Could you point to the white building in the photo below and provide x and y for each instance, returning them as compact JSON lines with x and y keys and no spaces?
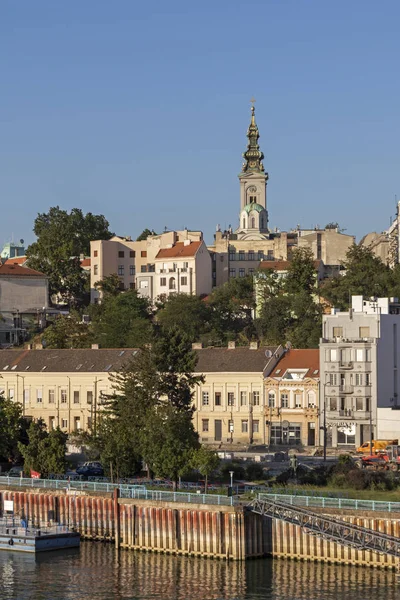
{"x":360,"y":381}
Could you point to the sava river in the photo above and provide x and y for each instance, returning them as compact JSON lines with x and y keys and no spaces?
{"x":97,"y":571}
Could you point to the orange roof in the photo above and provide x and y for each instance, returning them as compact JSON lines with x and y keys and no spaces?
{"x":85,"y":262}
{"x":17,"y":260}
{"x":281,"y":265}
{"x":13,"y":270}
{"x":298,"y":359}
{"x":179,"y":250}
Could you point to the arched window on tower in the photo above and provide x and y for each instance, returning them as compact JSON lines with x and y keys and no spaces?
{"x":253,"y":199}
{"x":244,"y":223}
{"x":172,"y":283}
{"x":253,"y":223}
{"x":262,"y":222}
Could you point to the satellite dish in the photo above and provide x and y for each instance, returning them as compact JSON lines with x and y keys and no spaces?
{"x":21,"y":241}
{"x":268,"y":353}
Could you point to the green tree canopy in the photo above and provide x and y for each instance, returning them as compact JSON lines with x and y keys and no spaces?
{"x":45,"y":452}
{"x":145,"y":234}
{"x":190,"y":314}
{"x":110,"y":285}
{"x":61,"y":238}
{"x":11,"y":428}
{"x":205,"y":461}
{"x":67,"y":331}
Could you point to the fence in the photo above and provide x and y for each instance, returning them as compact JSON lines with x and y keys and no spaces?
{"x":177,"y":497}
{"x":339,"y":503}
{"x":56,"y":484}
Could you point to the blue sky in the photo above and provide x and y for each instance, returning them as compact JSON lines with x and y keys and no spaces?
{"x":139,"y":110}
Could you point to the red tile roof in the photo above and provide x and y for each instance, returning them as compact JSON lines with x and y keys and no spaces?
{"x":13,"y":270}
{"x":17,"y":260}
{"x":298,"y":359}
{"x":179,"y":250}
{"x":85,"y":262}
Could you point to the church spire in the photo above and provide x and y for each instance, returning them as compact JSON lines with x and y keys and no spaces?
{"x":253,"y":155}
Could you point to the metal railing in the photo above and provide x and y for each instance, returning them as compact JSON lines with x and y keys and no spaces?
{"x":13,"y":526}
{"x":178,"y":497}
{"x":339,"y":503}
{"x":56,"y":484}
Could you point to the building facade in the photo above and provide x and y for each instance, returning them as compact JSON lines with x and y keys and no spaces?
{"x":359,"y":354}
{"x":292,"y":400}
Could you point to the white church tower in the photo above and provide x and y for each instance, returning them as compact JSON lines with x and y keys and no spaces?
{"x":253,"y":220}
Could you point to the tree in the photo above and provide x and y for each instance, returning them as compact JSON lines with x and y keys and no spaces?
{"x":67,"y":332}
{"x":61,"y":238}
{"x":11,"y":428}
{"x":145,"y":234}
{"x":190,"y":314}
{"x":301,"y":275}
{"x":205,"y":461}
{"x":110,"y":285}
{"x":122,"y":321}
{"x":45,"y":451}
{"x":231,"y":305}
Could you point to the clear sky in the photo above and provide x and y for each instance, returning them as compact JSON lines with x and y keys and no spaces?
{"x":139,"y":110}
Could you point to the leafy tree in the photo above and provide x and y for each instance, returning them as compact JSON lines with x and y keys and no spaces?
{"x":145,"y":234}
{"x":205,"y":461}
{"x":122,"y":321}
{"x":110,"y":285}
{"x":301,"y":275}
{"x":67,"y":332}
{"x":10,"y":428}
{"x":61,"y":238}
{"x":274,"y":321}
{"x":45,"y":451}
{"x":190,"y":314}
{"x":231,"y":305}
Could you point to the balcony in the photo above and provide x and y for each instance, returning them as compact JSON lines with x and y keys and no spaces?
{"x":346,"y":389}
{"x":346,"y":365}
{"x":346,"y":412}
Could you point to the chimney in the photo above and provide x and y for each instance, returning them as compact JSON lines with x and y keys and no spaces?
{"x":186,"y":242}
{"x":38,"y":346}
{"x":197,"y":346}
{"x":253,"y":345}
{"x":95,"y":346}
{"x":231,"y":345}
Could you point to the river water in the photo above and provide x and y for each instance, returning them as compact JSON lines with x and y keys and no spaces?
{"x":97,"y":571}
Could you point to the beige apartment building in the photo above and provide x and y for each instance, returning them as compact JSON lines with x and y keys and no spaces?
{"x":292,"y":400}
{"x":129,"y":259}
{"x":230,"y":404}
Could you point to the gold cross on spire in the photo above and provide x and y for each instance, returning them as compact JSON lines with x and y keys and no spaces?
{"x":252,"y":101}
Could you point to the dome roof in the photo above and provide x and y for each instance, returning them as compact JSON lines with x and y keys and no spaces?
{"x":253,"y":206}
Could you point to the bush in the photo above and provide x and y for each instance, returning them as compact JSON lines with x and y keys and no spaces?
{"x":238,"y":471}
{"x":254,"y":471}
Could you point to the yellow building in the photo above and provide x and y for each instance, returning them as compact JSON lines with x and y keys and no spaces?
{"x":292,"y":400}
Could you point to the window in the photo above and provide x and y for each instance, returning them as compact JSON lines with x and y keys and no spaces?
{"x":284,"y":400}
{"x":250,"y":271}
{"x":242,"y":255}
{"x":89,"y":397}
{"x":95,"y":270}
{"x":205,"y":425}
{"x":364,"y":332}
{"x":332,"y":404}
{"x":253,"y":223}
{"x":256,"y":426}
{"x":172,"y":284}
{"x":251,"y":254}
{"x":63,"y":396}
{"x":131,"y":269}
{"x":368,"y":354}
{"x":359,"y":355}
{"x":26,"y":395}
{"x":64,"y":423}
{"x":253,"y":199}
{"x":232,"y":254}
{"x":338,"y":332}
{"x":143,"y":254}
{"x":230,"y":426}
{"x":367,"y":404}
{"x":256,"y":398}
{"x":270,"y":255}
{"x":298,"y":400}
{"x":120,"y":269}
{"x":359,"y":379}
{"x":359,"y":404}
{"x":217,"y":398}
{"x":95,"y":253}
{"x":121,"y":254}
{"x":334,"y":355}
{"x":231,"y":399}
{"x":76,"y":396}
{"x":185,"y":265}
{"x":243,"y":398}
{"x":205,"y":399}
{"x":271,"y":399}
{"x":163,"y":281}
{"x":232,"y":272}
{"x":131,"y":254}
{"x":39,"y":395}
{"x":311,"y":400}
{"x":242,"y":272}
{"x":260,"y":255}
{"x":77,"y":423}
{"x":332,"y":379}
{"x":51,"y":396}
{"x":143,"y":269}
{"x":367,"y":379}
{"x":183,"y":280}
{"x":245,"y":426}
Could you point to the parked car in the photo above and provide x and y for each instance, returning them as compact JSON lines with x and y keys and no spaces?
{"x":90,"y":470}
{"x":15,"y":471}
